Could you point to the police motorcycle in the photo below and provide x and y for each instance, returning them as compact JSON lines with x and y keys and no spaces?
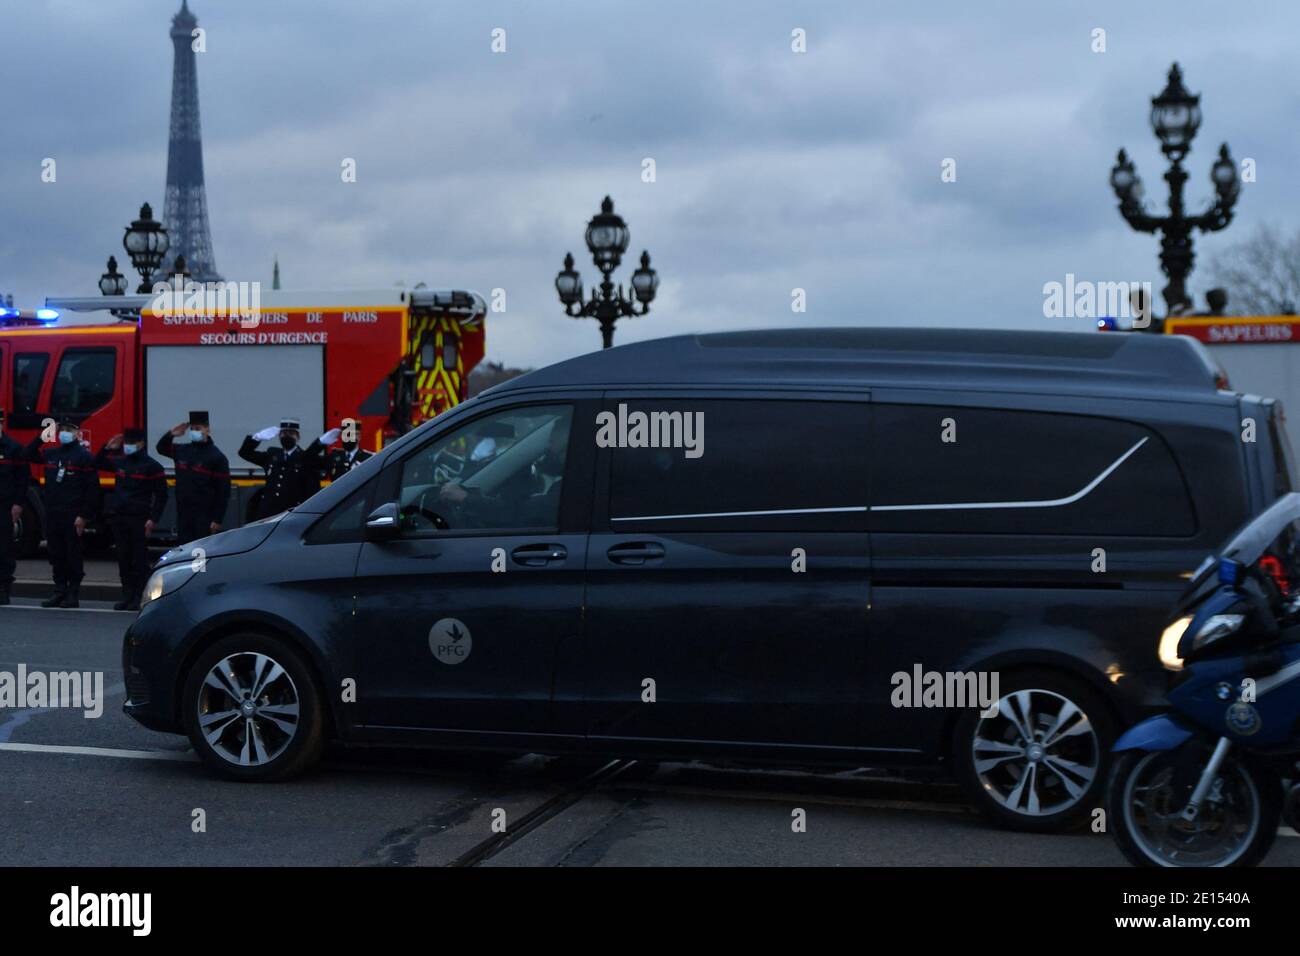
{"x":1206,"y":783}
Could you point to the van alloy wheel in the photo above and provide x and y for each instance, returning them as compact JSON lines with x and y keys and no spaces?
{"x":1038,"y":755}
{"x":248,"y":709}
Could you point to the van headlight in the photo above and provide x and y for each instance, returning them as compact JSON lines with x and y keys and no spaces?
{"x":166,"y":580}
{"x":1169,"y":643}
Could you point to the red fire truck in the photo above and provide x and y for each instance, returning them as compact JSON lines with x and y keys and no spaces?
{"x":387,"y":359}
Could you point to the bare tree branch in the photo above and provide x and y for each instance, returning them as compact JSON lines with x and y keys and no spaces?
{"x":1261,"y":274}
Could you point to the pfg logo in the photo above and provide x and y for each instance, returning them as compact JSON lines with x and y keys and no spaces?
{"x":450,"y":641}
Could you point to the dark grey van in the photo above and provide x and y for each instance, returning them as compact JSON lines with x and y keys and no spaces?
{"x":819,"y":546}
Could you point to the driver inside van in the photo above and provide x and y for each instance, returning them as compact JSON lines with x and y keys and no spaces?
{"x":528,"y":498}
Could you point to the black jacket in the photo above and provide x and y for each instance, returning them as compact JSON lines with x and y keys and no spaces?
{"x":291,"y":477}
{"x":202,"y":478}
{"x":140,"y":485}
{"x":15,"y":470}
{"x":70,"y":483}
{"x":336,"y":460}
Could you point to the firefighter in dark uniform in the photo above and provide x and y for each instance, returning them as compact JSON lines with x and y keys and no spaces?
{"x":202,"y":478}
{"x":14,"y":472}
{"x":339,"y":461}
{"x":292,"y":474}
{"x":69,"y":490}
{"x":137,"y":502}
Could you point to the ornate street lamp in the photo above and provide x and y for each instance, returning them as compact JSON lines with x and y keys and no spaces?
{"x":146,"y":242}
{"x":1175,"y":118}
{"x":112,"y":282}
{"x":607,"y":238}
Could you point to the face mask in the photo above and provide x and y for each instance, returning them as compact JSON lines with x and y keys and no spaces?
{"x":130,"y":449}
{"x":195,"y":435}
{"x":66,"y":438}
{"x":287,"y":442}
{"x":349,"y":446}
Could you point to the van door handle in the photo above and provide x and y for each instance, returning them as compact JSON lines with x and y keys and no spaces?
{"x":538,"y":555}
{"x":636,"y":552}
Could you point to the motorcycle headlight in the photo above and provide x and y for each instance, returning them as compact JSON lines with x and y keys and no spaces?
{"x":166,"y":580}
{"x":1169,"y":643}
{"x":1216,"y":627}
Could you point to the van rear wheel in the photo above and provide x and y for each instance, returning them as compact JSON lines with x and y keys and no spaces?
{"x":252,"y":709}
{"x":1039,"y":762}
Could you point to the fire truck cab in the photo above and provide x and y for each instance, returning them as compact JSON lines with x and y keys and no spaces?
{"x":384,"y":360}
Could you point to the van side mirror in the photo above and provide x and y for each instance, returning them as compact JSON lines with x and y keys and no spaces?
{"x":382,"y":524}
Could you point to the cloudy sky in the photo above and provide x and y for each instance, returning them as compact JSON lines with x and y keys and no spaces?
{"x":774,"y":170}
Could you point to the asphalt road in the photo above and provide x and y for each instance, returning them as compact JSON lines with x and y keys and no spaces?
{"x":130,"y":797}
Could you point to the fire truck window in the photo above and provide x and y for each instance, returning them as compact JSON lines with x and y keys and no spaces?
{"x":84,"y":381}
{"x":29,"y":372}
{"x":449,"y":346}
{"x":497,"y":473}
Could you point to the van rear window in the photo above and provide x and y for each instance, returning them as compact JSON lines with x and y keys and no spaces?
{"x":995,"y":471}
{"x":738,"y":465}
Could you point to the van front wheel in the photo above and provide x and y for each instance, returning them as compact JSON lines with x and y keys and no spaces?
{"x":252,"y":709}
{"x":1038,"y":761}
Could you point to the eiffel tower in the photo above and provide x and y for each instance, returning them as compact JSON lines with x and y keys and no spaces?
{"x":185,"y":212}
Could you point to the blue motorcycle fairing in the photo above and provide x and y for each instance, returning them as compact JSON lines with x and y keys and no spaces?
{"x":1161,"y":732}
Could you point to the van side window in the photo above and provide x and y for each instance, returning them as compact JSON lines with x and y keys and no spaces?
{"x":29,"y":373}
{"x":84,"y":381}
{"x":999,"y":471}
{"x":737,"y":465}
{"x":504,"y":471}
{"x":345,"y":524}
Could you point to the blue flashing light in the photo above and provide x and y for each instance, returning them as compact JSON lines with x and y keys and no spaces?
{"x":1229,"y":572}
{"x":1106,"y":324}
{"x":47,"y":315}
{"x":6,"y":313}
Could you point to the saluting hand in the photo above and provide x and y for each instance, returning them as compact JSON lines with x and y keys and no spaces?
{"x":179,"y":430}
{"x":266,"y":434}
{"x":115,"y":442}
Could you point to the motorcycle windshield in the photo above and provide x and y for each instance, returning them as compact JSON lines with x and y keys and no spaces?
{"x":1249,"y":544}
{"x":1274,"y":530}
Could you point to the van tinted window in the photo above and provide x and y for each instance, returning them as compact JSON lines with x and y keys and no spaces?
{"x":755,"y":465}
{"x":993,"y":471}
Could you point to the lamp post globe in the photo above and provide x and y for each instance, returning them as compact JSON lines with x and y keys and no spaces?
{"x":607,"y":237}
{"x":146,"y":242}
{"x":112,"y":282}
{"x":1175,"y":116}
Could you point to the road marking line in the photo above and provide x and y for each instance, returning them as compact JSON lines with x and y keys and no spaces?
{"x":187,"y":756}
{"x":90,"y":610}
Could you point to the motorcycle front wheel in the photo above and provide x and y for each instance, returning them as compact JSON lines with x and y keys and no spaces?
{"x":1236,"y":824}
